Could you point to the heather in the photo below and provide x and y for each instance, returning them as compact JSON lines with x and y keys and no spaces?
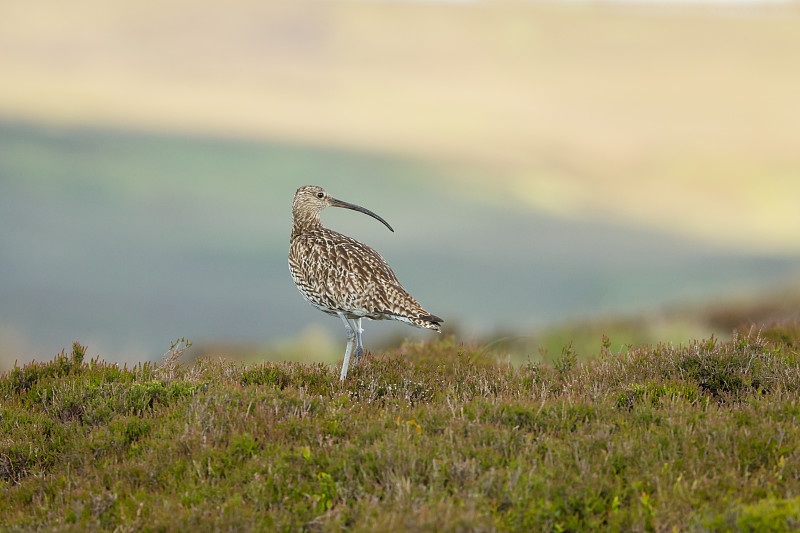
{"x":700,"y":436}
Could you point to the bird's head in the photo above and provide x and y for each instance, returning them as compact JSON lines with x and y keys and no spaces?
{"x":309,"y":200}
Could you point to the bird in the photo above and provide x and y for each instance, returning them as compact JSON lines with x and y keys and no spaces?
{"x":344,"y":277}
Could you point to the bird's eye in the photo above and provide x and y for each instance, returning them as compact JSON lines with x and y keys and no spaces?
{"x":320,"y":195}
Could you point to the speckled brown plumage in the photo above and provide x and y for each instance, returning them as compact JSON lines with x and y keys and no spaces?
{"x":336,"y":273}
{"x":344,"y":277}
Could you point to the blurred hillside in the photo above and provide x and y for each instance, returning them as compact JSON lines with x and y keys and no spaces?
{"x":540,"y":161}
{"x":125,"y":241}
{"x":681,"y":118}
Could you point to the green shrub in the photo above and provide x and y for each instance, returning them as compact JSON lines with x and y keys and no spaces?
{"x":436,"y":437}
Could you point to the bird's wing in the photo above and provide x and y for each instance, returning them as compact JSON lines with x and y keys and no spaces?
{"x":340,"y":273}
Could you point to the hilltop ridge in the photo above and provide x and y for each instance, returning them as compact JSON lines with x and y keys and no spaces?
{"x":700,"y":436}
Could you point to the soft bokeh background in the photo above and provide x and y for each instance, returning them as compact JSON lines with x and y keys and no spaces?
{"x":541,"y":163}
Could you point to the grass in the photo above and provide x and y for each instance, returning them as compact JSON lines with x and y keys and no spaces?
{"x":430,"y":437}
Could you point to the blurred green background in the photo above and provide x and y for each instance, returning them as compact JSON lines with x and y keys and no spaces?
{"x":548,"y":168}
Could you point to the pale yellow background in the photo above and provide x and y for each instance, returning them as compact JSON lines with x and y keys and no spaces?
{"x":683,"y":119}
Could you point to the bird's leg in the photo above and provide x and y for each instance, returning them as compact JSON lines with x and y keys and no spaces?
{"x":351,"y":335}
{"x":359,"y":347}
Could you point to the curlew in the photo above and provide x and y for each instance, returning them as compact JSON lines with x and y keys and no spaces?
{"x":344,"y":277}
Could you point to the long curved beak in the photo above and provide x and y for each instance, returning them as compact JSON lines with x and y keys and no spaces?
{"x":354,"y":207}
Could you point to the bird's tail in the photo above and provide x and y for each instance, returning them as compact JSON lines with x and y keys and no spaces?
{"x":424,"y":321}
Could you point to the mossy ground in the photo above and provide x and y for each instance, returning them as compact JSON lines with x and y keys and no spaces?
{"x":431,"y":437}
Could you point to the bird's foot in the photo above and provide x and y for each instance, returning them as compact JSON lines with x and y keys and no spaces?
{"x":359,"y":351}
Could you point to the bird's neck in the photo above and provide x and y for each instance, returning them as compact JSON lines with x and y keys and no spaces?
{"x":303,"y":222}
